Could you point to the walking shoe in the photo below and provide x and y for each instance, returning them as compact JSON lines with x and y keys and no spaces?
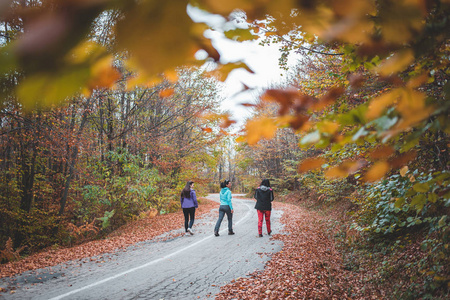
{"x":260,"y":235}
{"x":186,"y":234}
{"x":230,"y":232}
{"x":190,"y":231}
{"x":216,"y":233}
{"x":270,"y":232}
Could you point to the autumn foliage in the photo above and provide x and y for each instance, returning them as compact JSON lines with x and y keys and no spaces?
{"x":99,"y":123}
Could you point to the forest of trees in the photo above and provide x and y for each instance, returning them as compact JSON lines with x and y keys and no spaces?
{"x":105,"y":114}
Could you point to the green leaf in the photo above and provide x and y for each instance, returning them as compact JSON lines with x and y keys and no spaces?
{"x":432,"y":197}
{"x":419,"y":201}
{"x":399,"y":203}
{"x":442,"y":222}
{"x":48,"y":89}
{"x":241,"y":35}
{"x":421,"y":187}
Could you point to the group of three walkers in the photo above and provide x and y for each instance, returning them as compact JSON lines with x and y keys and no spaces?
{"x":263,"y":195}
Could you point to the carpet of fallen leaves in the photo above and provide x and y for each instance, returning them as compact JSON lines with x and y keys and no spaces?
{"x":133,"y":232}
{"x":308,"y":267}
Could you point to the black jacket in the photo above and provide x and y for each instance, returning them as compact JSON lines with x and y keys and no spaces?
{"x":264,"y":198}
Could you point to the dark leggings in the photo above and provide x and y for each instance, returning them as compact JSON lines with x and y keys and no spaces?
{"x":224,"y":209}
{"x":188,"y":212}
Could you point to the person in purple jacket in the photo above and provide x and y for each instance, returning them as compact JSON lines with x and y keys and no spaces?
{"x":189,"y":204}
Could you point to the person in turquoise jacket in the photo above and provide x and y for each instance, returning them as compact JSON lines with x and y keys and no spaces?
{"x":226,"y":207}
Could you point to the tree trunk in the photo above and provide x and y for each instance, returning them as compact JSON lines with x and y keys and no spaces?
{"x":73,"y":159}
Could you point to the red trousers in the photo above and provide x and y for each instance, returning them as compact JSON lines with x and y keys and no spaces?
{"x":261,"y":214}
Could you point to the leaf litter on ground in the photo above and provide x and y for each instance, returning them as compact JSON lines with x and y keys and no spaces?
{"x":137,"y":231}
{"x":307,"y":267}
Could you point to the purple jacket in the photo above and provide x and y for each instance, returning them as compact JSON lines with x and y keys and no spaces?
{"x":189,"y":202}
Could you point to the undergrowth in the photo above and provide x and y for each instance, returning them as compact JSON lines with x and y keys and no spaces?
{"x":410,"y":263}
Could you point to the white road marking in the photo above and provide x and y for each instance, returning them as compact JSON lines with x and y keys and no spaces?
{"x":150,"y":262}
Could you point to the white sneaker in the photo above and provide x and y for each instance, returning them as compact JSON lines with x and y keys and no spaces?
{"x":190,"y":231}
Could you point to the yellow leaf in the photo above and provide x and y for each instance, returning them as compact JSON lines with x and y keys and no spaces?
{"x":377,"y":171}
{"x":260,"y":128}
{"x":142,"y":80}
{"x":403,"y":20}
{"x":396,"y":63}
{"x":87,"y":50}
{"x":310,"y":164}
{"x":240,"y":139}
{"x":440,"y":278}
{"x":413,"y":109}
{"x":351,"y":30}
{"x":328,"y":127}
{"x":411,"y":102}
{"x":403,"y":171}
{"x":222,"y":72}
{"x":157,"y":34}
{"x":226,"y":7}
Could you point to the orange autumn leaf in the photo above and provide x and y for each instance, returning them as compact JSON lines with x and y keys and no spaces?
{"x":344,"y":169}
{"x":310,"y":164}
{"x":226,"y":122}
{"x":248,"y":104}
{"x":103,"y":74}
{"x":207,"y":129}
{"x":329,"y":98}
{"x":356,"y":80}
{"x":260,"y":128}
{"x":377,"y":171}
{"x":382,"y":152}
{"x":402,"y":159}
{"x":284,"y":97}
{"x":380,"y":103}
{"x":171,"y":75}
{"x":166,"y":93}
{"x":417,"y":81}
{"x":299,"y":122}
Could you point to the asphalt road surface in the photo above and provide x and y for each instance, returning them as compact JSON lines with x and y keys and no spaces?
{"x":186,"y":267}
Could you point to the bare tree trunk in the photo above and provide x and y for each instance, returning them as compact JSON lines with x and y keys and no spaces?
{"x":73,"y":159}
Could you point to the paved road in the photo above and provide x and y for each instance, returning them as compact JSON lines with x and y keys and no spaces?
{"x":187,"y":267}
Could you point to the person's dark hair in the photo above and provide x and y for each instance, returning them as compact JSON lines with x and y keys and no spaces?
{"x":265,"y":182}
{"x":224,"y":184}
{"x":186,"y":192}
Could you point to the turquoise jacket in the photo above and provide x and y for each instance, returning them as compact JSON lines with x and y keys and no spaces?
{"x":225,"y":197}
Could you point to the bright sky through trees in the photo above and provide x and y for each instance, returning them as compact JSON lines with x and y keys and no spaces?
{"x":263,"y":60}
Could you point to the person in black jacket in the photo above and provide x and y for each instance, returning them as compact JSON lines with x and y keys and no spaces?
{"x":264,"y":198}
